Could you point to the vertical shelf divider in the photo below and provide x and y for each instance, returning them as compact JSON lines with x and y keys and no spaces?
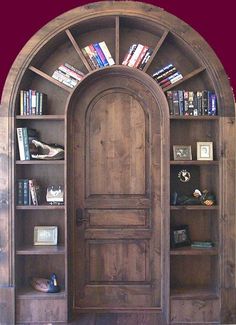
{"x":117,"y":40}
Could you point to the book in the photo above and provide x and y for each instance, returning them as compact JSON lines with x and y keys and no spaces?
{"x":101,"y":54}
{"x":91,"y":56}
{"x":106,"y":52}
{"x":64,"y":78}
{"x":135,"y":55}
{"x":141,"y":56}
{"x":25,"y":192}
{"x":70,"y":72}
{"x":161,"y":71}
{"x":145,"y":59}
{"x":129,"y":54}
{"x":169,"y":95}
{"x":26,"y":143}
{"x":21,"y":149}
{"x":96,"y":56}
{"x":19,"y":200}
{"x":202,"y":244}
{"x":34,"y":191}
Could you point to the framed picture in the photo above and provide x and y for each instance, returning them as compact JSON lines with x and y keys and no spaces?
{"x":182,"y":152}
{"x":45,"y":235}
{"x":179,"y":236}
{"x":204,"y":151}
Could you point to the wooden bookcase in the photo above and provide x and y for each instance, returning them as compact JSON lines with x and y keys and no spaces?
{"x":191,"y":285}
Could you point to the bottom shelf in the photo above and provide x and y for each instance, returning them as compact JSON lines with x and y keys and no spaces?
{"x":194,"y":293}
{"x":30,"y":293}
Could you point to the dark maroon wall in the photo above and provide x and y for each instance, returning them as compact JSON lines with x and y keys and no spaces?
{"x":214,"y":20}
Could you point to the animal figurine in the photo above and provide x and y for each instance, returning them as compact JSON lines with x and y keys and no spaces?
{"x":47,"y":151}
{"x":197,"y":198}
{"x":46,"y":285}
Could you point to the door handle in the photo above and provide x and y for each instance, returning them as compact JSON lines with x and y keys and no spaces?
{"x":80,"y":216}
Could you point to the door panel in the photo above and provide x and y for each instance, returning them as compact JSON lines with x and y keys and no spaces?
{"x":116,"y":180}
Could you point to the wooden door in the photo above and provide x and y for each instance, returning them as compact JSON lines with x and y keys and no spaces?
{"x":116,"y":159}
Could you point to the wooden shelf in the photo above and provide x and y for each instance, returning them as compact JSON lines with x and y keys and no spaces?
{"x":41,"y":250}
{"x":194,"y":207}
{"x":29,"y":293}
{"x":40,"y":207}
{"x":40,"y":162}
{"x":194,"y":251}
{"x":194,"y":293}
{"x":41,"y":117}
{"x":194,"y":162}
{"x":195,"y":118}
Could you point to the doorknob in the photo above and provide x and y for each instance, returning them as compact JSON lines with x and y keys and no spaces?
{"x":80,"y":216}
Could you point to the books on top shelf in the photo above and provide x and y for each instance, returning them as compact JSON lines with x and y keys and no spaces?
{"x":167,"y":75}
{"x":28,"y":192}
{"x":137,"y":56}
{"x":68,"y":75}
{"x":192,"y":103}
{"x":24,"y":137}
{"x":32,"y":102}
{"x":98,"y":55}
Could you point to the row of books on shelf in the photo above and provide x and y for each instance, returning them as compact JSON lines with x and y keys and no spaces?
{"x":192,"y":103}
{"x":98,"y":55}
{"x":28,"y":192}
{"x":137,"y":56}
{"x":25,"y":136}
{"x":32,"y":102}
{"x":68,"y":75}
{"x":166,"y":76}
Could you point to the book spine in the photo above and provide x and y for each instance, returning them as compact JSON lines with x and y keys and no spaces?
{"x":25,"y":192}
{"x":212,"y":104}
{"x":176,"y":102}
{"x":22,"y":102}
{"x":20,"y":143}
{"x":129,"y":54}
{"x":190,"y":102}
{"x":33,"y":102}
{"x":20,"y":192}
{"x":186,"y":103}
{"x":141,"y":56}
{"x":161,"y":71}
{"x":32,"y":188}
{"x":26,"y":143}
{"x":181,"y":102}
{"x":199,"y":102}
{"x":145,"y":59}
{"x":165,"y":75}
{"x":106,"y":52}
{"x":69,"y":66}
{"x":97,"y":58}
{"x":168,"y":78}
{"x":169,"y":96}
{"x":101,"y":54}
{"x":71,"y":73}
{"x":172,"y":81}
{"x":91,"y":56}
{"x":135,"y":56}
{"x":59,"y":76}
{"x":28,"y":102}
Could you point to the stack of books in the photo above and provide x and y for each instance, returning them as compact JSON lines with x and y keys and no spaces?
{"x":202,"y":244}
{"x":68,"y":75}
{"x":32,"y":102}
{"x":28,"y":192}
{"x":137,"y":56}
{"x":98,"y":55}
{"x":192,"y":103}
{"x":25,"y":136}
{"x":167,"y":75}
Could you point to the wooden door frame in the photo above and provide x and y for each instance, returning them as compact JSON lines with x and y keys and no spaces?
{"x":162,"y":103}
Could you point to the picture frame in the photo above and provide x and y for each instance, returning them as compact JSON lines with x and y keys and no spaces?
{"x":45,"y":235}
{"x":182,"y":152}
{"x":204,"y":150}
{"x":179,"y":236}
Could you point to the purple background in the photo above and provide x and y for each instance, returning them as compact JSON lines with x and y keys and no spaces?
{"x":215,"y":21}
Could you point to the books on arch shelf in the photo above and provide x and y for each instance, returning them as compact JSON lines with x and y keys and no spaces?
{"x":24,"y":138}
{"x":32,"y":102}
{"x":137,"y":56}
{"x":166,"y":76}
{"x":68,"y":75}
{"x":192,"y":103}
{"x":98,"y":55}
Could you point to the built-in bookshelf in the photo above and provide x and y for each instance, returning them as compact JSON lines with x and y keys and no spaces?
{"x":113,"y":88}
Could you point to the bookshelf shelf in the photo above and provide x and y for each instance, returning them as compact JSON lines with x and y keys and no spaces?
{"x":41,"y":250}
{"x":119,"y":172}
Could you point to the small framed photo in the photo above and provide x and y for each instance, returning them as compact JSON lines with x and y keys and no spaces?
{"x":182,"y":152}
{"x":179,"y":236}
{"x":45,"y":235}
{"x":204,"y":151}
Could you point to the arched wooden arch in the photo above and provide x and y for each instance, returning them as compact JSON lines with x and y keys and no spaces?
{"x":119,"y":23}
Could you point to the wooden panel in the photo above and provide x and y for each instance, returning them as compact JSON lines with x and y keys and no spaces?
{"x":125,"y":260}
{"x":117,"y":218}
{"x":46,"y":310}
{"x":195,"y":310}
{"x":7,"y":305}
{"x":116,"y":145}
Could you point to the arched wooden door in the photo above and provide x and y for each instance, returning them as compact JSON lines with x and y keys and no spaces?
{"x":116,"y":185}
